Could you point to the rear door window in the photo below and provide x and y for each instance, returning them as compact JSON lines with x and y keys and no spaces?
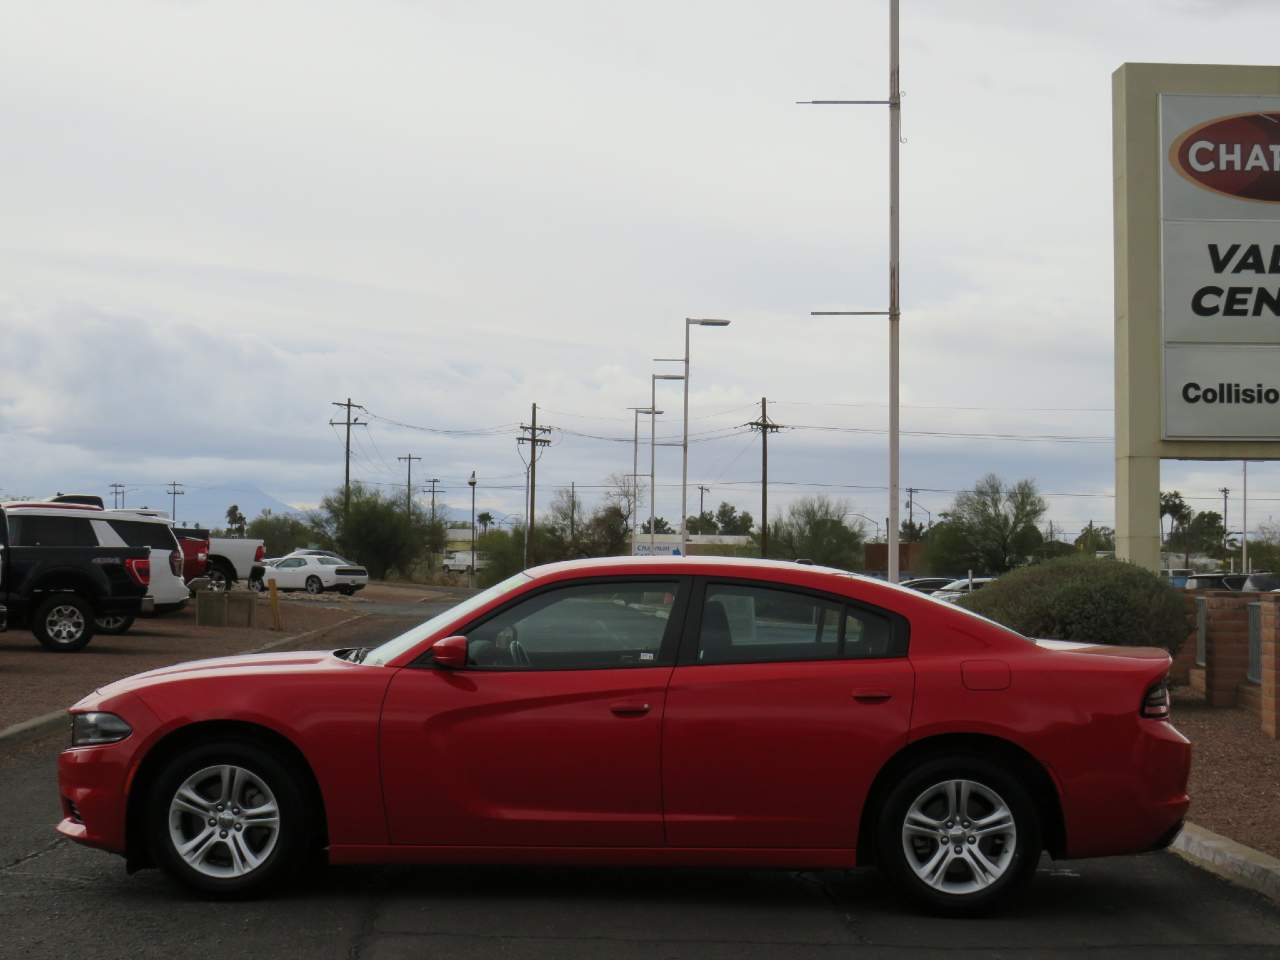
{"x":37,"y":531}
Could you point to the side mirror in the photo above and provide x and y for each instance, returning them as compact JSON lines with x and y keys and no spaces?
{"x":450,"y":652}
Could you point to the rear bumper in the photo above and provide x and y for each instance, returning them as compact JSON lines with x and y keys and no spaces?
{"x":1134,"y":808}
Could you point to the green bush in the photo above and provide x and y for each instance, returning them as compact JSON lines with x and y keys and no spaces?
{"x":1087,"y":600}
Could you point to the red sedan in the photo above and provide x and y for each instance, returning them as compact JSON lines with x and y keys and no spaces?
{"x":634,"y":711}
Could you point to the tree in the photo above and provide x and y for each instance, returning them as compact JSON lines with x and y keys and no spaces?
{"x":376,"y":532}
{"x":1200,"y":533}
{"x":1095,"y":539}
{"x":484,"y":519}
{"x":814,"y":528}
{"x":280,"y":533}
{"x":624,"y":493}
{"x":660,"y":525}
{"x":911,"y":532}
{"x":565,"y":516}
{"x":703,"y":523}
{"x":607,"y":533}
{"x":1175,"y":508}
{"x":235,"y":520}
{"x":991,"y":528}
{"x":731,"y":523}
{"x":504,"y":549}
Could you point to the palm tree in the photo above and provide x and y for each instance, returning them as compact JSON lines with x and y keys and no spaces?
{"x":484,"y":519}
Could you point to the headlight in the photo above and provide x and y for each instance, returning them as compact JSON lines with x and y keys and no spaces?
{"x":88,"y":729}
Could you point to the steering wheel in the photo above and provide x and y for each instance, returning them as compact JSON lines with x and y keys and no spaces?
{"x":518,"y":655}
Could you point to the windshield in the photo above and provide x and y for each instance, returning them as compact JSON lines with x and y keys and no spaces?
{"x":379,"y":656}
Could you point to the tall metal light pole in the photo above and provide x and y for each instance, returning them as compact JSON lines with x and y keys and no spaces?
{"x":653,"y":446}
{"x":635,"y":473}
{"x":684,"y":465}
{"x":894,"y":104}
{"x":471,"y":567}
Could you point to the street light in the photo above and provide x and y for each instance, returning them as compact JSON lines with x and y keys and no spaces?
{"x":653,"y":457}
{"x":873,"y":522}
{"x":635,"y":473}
{"x":471,"y":567}
{"x":684,"y":464}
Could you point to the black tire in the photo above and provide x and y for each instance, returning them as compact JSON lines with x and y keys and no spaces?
{"x":113,"y":624}
{"x":286,"y":852}
{"x":1018,"y":867}
{"x":63,"y":622}
{"x":221,"y":576}
{"x":257,"y":585}
{"x":314,"y":585}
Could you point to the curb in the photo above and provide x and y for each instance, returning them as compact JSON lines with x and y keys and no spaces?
{"x":1230,"y":860}
{"x":37,"y":726}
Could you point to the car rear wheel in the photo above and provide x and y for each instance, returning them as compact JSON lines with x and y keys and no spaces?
{"x":113,"y":624}
{"x":960,"y":834}
{"x":314,"y":585}
{"x":219,"y":578}
{"x":228,"y":819}
{"x":63,"y":622}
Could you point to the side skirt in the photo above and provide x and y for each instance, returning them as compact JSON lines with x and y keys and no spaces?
{"x":826,"y":859}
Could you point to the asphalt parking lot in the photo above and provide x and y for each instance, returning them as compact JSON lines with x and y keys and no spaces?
{"x":59,"y":900}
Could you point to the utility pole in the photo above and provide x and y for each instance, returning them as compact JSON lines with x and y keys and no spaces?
{"x":911,"y":508}
{"x":471,"y":567}
{"x":1225,"y":491}
{"x":766,"y":427}
{"x":175,"y":492}
{"x":573,"y":504}
{"x":348,"y":422}
{"x":702,"y":491}
{"x":894,"y":103}
{"x":408,"y":484}
{"x":433,"y":481}
{"x":117,"y":496}
{"x":535,"y":440}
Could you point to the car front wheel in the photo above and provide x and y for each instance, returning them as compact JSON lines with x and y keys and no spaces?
{"x":228,"y":819}
{"x":314,"y":585}
{"x":961,"y":835}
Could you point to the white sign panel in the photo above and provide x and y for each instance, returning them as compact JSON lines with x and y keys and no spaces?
{"x":1220,"y":262}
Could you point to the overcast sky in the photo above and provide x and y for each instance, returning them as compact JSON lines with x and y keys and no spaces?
{"x":220,"y":217}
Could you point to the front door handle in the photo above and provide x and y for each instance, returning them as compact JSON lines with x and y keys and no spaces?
{"x":872,"y":696}
{"x":629,"y":708}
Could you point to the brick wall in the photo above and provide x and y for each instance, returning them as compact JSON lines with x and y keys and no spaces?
{"x":1185,"y":660}
{"x":1269,"y":693}
{"x":1227,"y":653}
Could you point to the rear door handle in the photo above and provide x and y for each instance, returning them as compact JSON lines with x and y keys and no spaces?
{"x":629,"y":708}
{"x":872,"y":696}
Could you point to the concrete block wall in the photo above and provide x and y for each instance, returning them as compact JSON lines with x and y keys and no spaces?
{"x":1269,"y":692}
{"x":1227,"y":651}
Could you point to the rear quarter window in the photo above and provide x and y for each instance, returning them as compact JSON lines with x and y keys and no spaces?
{"x":36,"y":531}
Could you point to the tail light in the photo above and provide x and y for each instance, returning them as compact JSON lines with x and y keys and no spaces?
{"x":140,"y":570}
{"x":1156,"y":703}
{"x":175,"y":562}
{"x":259,"y":553}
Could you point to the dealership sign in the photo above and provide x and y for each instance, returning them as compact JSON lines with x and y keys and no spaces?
{"x":1220,"y":264}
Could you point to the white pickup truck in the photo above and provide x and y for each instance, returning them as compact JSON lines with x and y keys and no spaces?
{"x":234,"y":559}
{"x":462,"y":561}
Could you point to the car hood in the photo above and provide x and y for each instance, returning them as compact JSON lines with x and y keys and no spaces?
{"x":274,"y":663}
{"x":1104,"y":650}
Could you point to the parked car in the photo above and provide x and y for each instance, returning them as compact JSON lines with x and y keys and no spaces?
{"x":928,"y":584}
{"x":956,"y":589}
{"x":1209,"y":581}
{"x":1177,"y":576}
{"x":232,"y":559}
{"x":166,"y":590}
{"x":610,"y":712}
{"x":316,"y":574}
{"x":1261,"y":583}
{"x":463,"y":561}
{"x":58,"y":580}
{"x":312,"y":552}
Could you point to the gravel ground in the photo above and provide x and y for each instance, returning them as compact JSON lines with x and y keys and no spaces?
{"x":1235,"y":772}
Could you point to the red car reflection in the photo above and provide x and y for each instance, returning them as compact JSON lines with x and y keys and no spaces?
{"x":644,"y":711}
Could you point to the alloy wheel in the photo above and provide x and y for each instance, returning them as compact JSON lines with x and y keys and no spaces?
{"x":959,"y":836}
{"x":64,"y":623}
{"x":224,"y":821}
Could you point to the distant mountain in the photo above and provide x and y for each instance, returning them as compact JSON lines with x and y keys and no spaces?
{"x":207,"y":506}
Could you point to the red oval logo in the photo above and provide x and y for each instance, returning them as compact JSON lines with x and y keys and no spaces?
{"x":1238,"y":156}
